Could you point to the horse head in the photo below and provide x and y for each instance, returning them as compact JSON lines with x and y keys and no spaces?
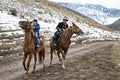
{"x":76,"y":29}
{"x":25,"y":25}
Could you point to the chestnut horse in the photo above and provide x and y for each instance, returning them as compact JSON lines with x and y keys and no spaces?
{"x":64,"y":42}
{"x":29,"y":46}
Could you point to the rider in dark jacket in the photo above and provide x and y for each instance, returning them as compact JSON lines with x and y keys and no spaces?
{"x":60,"y":28}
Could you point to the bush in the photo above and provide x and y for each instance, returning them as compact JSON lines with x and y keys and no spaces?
{"x":45,"y":21}
{"x":4,"y":35}
{"x":13,"y":12}
{"x":40,"y":12}
{"x":40,"y":18}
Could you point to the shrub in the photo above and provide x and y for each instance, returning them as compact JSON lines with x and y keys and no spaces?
{"x":40,"y":12}
{"x":13,"y":12}
{"x":77,"y":19}
{"x":45,"y":21}
{"x":40,"y":18}
{"x":4,"y":35}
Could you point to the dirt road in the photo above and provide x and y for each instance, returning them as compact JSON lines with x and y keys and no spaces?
{"x":11,"y":71}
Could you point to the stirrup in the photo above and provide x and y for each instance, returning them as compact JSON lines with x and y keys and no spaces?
{"x":37,"y":46}
{"x":55,"y":44}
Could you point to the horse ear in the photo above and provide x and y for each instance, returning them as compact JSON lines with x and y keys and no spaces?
{"x":73,"y":24}
{"x":31,"y":22}
{"x":19,"y":22}
{"x":70,"y":26}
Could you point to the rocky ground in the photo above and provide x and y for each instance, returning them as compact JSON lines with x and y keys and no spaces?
{"x":89,"y":61}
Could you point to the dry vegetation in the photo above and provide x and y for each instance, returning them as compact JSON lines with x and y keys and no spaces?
{"x":78,"y":16}
{"x":102,"y":65}
{"x":53,"y":8}
{"x":10,"y":44}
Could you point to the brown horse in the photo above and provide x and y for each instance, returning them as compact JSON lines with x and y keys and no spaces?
{"x":29,"y":46}
{"x":64,"y":42}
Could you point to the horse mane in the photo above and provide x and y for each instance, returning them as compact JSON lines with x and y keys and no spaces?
{"x":43,"y":38}
{"x":67,"y":30}
{"x":32,"y":32}
{"x":74,"y":24}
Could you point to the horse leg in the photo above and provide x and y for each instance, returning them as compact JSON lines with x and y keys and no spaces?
{"x":65,"y":52}
{"x":58,"y":53}
{"x":24,"y":60}
{"x":28,"y":64}
{"x":43,"y":52}
{"x":35,"y":59}
{"x":63,"y":66}
{"x":63,"y":58}
{"x":51,"y":56}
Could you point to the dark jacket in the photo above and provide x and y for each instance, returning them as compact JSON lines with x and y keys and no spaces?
{"x":36,"y":27}
{"x":62,"y":26}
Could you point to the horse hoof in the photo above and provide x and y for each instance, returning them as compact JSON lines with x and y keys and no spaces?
{"x":26,"y":73}
{"x":63,"y":67}
{"x":25,"y":69}
{"x":59,"y":62}
{"x":50,"y":66}
{"x":44,"y":66}
{"x":33,"y":71}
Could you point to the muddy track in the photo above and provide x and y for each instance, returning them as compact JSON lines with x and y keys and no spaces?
{"x":11,"y":71}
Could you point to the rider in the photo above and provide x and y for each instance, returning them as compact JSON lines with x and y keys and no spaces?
{"x":36,"y":28}
{"x":60,"y":28}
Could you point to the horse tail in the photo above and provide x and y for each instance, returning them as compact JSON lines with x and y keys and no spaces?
{"x":41,"y":56}
{"x":43,"y":39}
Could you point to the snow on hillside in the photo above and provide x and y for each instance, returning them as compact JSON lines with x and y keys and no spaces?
{"x":99,"y":13}
{"x":8,"y":22}
{"x":95,"y":34}
{"x":11,"y":23}
{"x":48,"y":21}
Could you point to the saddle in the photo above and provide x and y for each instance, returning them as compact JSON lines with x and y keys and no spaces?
{"x":38,"y":41}
{"x":56,"y":38}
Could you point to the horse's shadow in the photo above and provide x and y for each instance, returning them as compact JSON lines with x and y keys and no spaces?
{"x":41,"y":73}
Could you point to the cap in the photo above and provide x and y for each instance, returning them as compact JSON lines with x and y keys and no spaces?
{"x":35,"y":20}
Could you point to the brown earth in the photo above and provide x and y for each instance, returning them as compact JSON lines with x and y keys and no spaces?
{"x":90,"y":61}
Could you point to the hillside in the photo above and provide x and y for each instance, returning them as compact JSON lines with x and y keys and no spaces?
{"x":99,"y":13}
{"x":115,"y":25}
{"x":86,"y":59}
{"x":45,"y":11}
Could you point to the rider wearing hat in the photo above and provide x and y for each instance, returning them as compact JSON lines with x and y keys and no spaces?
{"x":60,"y":28}
{"x":62,"y":25}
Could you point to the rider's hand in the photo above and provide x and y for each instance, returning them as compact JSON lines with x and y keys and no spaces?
{"x":59,"y":29}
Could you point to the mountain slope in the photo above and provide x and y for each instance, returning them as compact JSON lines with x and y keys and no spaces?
{"x":49,"y":14}
{"x":97,"y":12}
{"x":115,"y":25}
{"x":44,"y":11}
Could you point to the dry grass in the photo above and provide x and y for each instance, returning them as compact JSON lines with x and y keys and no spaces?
{"x":5,"y":36}
{"x":60,"y":10}
{"x":9,"y":59}
{"x":101,"y":65}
